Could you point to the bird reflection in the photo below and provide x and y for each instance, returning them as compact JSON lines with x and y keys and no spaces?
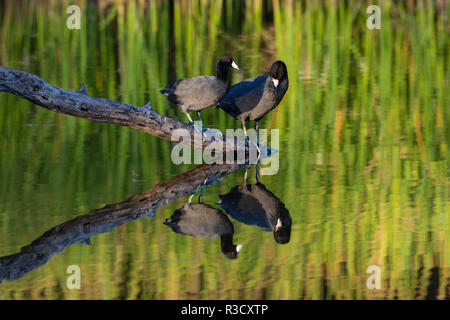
{"x":203,"y":220}
{"x":83,"y":227}
{"x":256,"y":206}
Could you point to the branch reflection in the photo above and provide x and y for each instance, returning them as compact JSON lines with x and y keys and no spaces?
{"x":82,"y":228}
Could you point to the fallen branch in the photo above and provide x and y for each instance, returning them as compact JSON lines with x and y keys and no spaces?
{"x":80,"y":104}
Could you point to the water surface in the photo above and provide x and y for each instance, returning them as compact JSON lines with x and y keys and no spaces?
{"x":364,"y":148}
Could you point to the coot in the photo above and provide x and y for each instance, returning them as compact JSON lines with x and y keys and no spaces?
{"x":257,"y":206}
{"x":202,"y":220}
{"x":253,"y":98}
{"x":201,"y":92}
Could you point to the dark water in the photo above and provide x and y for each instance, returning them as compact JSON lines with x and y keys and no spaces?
{"x":363,"y":155}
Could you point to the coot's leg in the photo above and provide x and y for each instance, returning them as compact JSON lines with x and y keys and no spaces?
{"x":245,"y":175}
{"x":200,"y":196}
{"x":257,"y":140}
{"x":190,"y":120}
{"x":257,"y":172}
{"x":202,"y":190}
{"x":201,"y":187}
{"x":192,"y":124}
{"x":200,"y":119}
{"x":245,"y":130}
{"x":247,"y":140}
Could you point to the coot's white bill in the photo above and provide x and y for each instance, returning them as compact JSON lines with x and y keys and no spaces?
{"x":234,"y":65}
{"x":238,"y":247}
{"x":279,"y":225}
{"x":275,"y":82}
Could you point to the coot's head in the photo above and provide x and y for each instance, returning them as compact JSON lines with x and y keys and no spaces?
{"x":282,"y":232}
{"x":228,"y":62}
{"x":231,"y":252}
{"x":223,"y":65}
{"x":278,"y":72}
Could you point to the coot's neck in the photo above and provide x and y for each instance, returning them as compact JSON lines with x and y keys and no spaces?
{"x":284,"y":82}
{"x":222,"y":71}
{"x":226,"y":242}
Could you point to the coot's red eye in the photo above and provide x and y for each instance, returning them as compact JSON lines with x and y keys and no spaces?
{"x":229,"y":60}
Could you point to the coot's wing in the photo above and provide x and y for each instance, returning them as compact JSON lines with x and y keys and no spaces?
{"x":195,"y":91}
{"x":200,"y":220}
{"x":271,"y":204}
{"x":243,"y":96}
{"x":244,"y":208}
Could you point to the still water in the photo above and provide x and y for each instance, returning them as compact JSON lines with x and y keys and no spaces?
{"x":363,"y":176}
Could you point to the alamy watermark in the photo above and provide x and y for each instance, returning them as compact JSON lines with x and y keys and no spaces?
{"x":74,"y":280}
{"x":374,"y":20}
{"x":374,"y":280}
{"x":230,"y":151}
{"x":74,"y":20}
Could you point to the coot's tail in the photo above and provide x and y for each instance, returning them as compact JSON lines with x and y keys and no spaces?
{"x":227,"y":106}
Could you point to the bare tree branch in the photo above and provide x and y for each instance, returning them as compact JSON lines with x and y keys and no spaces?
{"x":80,"y":104}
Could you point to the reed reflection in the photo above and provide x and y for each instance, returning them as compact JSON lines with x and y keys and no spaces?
{"x":255,"y":205}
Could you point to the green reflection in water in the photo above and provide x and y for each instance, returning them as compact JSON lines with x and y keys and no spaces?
{"x":364,"y":132}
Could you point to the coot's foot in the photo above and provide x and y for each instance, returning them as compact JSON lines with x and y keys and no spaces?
{"x":213,"y":133}
{"x":201,"y":188}
{"x":199,"y":129}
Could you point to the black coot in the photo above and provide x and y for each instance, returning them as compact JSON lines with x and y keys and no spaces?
{"x":198,"y":93}
{"x":202,"y":220}
{"x":253,"y":98}
{"x":255,"y":205}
